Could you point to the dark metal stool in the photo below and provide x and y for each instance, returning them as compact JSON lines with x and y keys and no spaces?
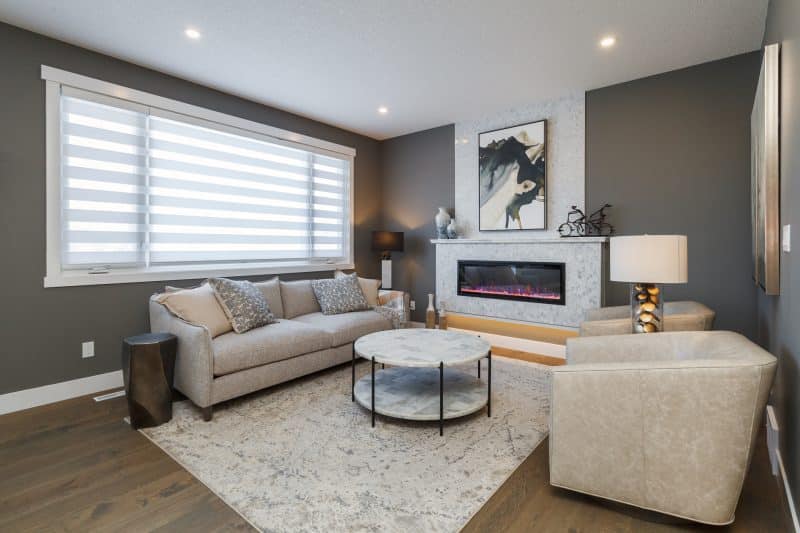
{"x":148,"y":366}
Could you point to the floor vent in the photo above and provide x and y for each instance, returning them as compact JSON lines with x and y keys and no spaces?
{"x":109,"y":396}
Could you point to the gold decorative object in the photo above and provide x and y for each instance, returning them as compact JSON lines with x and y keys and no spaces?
{"x":442,"y":315}
{"x":430,"y":314}
{"x":648,"y":313}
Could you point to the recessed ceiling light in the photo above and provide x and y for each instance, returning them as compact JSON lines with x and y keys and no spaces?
{"x":383,"y":110}
{"x":608,"y":42}
{"x":192,"y":33}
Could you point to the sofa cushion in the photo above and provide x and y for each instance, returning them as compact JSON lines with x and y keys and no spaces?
{"x":339,"y":295}
{"x":298,"y":298}
{"x":260,"y":346}
{"x":347,"y":327}
{"x":271,"y":289}
{"x":199,"y":307}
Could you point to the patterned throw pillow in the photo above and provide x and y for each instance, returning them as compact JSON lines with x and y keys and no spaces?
{"x":243,"y":303}
{"x":370,"y":287}
{"x":339,"y":295}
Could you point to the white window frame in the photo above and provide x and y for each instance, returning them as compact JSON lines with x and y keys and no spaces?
{"x":56,"y":276}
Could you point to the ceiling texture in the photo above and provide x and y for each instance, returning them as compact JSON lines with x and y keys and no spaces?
{"x":430,"y":62}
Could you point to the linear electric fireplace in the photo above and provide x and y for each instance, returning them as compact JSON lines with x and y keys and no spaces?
{"x":512,"y":280}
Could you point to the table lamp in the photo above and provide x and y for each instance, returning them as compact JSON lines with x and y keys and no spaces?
{"x":646,"y":262}
{"x":387,"y":242}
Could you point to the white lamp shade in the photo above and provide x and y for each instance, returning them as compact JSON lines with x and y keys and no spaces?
{"x":649,"y":259}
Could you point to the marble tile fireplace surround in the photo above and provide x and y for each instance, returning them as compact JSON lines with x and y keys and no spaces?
{"x":584,"y":261}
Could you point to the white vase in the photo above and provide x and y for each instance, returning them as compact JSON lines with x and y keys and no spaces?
{"x":452,"y":233}
{"x":442,"y":219}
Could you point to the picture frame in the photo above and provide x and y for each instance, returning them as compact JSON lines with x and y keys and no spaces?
{"x":765,"y":174}
{"x":512,"y":178}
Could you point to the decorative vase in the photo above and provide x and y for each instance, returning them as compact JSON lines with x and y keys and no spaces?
{"x":451,"y":229}
{"x":442,"y":219}
{"x":442,"y":316}
{"x":430,"y":314}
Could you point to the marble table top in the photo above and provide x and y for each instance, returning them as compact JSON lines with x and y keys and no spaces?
{"x":418,"y":347}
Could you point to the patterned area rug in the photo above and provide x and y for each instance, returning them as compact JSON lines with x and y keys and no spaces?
{"x":303,"y":457}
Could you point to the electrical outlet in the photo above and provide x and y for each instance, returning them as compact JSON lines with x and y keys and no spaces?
{"x":87,"y":349}
{"x":412,"y":305}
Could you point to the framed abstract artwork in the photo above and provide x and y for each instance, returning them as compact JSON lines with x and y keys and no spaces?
{"x":512,"y":174}
{"x":765,"y":175}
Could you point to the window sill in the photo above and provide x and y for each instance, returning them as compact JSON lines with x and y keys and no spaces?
{"x":80,"y":278}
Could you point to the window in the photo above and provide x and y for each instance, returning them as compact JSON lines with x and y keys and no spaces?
{"x":148,"y":188}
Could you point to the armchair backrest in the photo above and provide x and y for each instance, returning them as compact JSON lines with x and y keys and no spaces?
{"x":668,"y":346}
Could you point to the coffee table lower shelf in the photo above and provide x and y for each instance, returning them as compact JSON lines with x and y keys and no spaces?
{"x":412,"y":393}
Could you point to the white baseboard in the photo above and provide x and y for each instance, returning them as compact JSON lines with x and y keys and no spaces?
{"x":25,"y":399}
{"x":788,"y":490}
{"x":776,"y":461}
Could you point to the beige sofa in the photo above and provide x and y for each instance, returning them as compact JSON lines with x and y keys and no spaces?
{"x":303,"y":340}
{"x":678,"y":316}
{"x":664,"y":422}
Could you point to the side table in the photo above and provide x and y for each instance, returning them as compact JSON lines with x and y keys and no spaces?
{"x":148,"y":367}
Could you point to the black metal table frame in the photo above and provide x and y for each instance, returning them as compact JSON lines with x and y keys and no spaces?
{"x":488,"y":358}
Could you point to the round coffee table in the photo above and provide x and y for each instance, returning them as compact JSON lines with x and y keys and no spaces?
{"x":421,"y":383}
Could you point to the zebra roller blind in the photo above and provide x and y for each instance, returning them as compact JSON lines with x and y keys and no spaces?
{"x":144,"y":187}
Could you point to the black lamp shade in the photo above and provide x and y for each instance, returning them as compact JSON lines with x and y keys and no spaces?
{"x":387,"y":241}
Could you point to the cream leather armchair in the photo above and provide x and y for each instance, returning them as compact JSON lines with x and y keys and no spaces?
{"x":665,"y":422}
{"x":678,"y":316}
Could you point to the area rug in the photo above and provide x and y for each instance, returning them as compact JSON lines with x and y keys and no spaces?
{"x":303,"y":457}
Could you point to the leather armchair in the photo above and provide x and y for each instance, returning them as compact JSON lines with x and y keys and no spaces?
{"x":664,"y":422}
{"x":678,"y":316}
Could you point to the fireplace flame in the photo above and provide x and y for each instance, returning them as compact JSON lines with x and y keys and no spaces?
{"x":519,"y":291}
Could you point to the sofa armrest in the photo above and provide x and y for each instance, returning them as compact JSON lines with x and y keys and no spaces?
{"x":194,"y":364}
{"x":621,"y":326}
{"x":597,"y":328}
{"x":687,"y":322}
{"x":387,"y":296}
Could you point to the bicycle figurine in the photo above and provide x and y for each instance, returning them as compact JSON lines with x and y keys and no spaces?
{"x":579,"y":225}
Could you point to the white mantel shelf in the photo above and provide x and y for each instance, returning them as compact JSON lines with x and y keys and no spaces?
{"x":555,"y":240}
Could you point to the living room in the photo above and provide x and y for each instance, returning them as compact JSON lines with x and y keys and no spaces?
{"x":373,"y":266}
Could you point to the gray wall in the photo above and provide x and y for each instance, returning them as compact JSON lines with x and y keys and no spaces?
{"x":418,"y":177}
{"x":778,"y":318}
{"x":42,"y":329}
{"x":671,"y":153}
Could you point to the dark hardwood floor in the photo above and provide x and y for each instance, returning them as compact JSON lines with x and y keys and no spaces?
{"x":76,"y":466}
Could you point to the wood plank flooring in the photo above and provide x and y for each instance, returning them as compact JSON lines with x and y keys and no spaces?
{"x":76,"y":466}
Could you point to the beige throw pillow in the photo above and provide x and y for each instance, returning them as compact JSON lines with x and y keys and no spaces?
{"x":271,"y":289}
{"x":197,"y":306}
{"x":370,"y":287}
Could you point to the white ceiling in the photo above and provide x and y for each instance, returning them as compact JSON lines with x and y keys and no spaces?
{"x":430,"y":62}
